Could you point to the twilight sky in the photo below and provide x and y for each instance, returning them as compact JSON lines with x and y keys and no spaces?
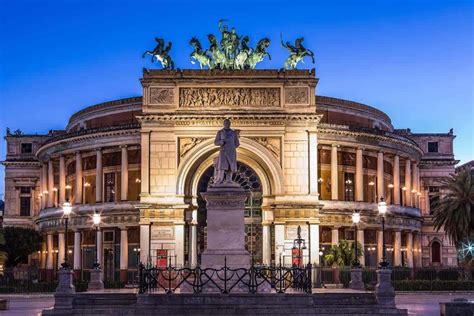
{"x":411,"y":59}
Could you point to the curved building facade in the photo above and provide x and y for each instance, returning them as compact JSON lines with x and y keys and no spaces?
{"x":305,"y":160}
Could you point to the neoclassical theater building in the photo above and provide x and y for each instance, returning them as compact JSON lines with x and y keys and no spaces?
{"x":305,"y":160}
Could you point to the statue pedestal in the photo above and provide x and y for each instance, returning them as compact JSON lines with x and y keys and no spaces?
{"x":225,"y":228}
{"x":95,"y":283}
{"x":384,"y":291}
{"x":64,"y":296}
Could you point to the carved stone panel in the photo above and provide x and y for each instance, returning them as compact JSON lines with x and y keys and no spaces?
{"x":161,"y":96}
{"x":229,"y":97}
{"x":188,"y":143}
{"x":297,"y":95}
{"x":273,"y":144}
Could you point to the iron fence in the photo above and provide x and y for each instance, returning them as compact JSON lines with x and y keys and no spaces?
{"x":255,"y":279}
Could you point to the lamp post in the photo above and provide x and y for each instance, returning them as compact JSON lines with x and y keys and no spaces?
{"x":382,"y":208}
{"x":96,"y":282}
{"x":299,"y":244}
{"x":67,"y":209}
{"x":356,"y":220}
{"x":96,"y":221}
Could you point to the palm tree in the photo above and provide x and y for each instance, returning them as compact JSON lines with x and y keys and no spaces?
{"x":343,"y":254}
{"x":454,"y":209}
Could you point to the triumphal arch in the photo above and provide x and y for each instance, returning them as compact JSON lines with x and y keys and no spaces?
{"x":275,"y":114}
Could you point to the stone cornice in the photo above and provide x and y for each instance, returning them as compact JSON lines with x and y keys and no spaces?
{"x":344,"y":130}
{"x":20,"y":163}
{"x":88,"y":134}
{"x":439,"y":162}
{"x":216,"y":119}
{"x":250,"y":74}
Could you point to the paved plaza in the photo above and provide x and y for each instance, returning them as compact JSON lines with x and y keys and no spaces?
{"x":417,"y":304}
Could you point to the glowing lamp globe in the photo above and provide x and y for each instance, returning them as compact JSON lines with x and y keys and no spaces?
{"x":96,"y":219}
{"x":382,"y":207}
{"x":67,"y":208}
{"x":356,"y":218}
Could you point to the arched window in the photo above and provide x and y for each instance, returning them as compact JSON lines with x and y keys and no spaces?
{"x":436,"y":252}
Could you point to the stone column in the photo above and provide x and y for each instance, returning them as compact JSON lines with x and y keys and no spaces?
{"x":123,"y":254}
{"x":193,"y":255}
{"x":44,"y":181}
{"x":179,"y":243}
{"x":145,"y":165}
{"x":62,"y":180}
{"x":360,"y":239}
{"x":380,"y":180}
{"x":100,"y":250}
{"x":359,"y":176}
{"x":124,"y":174}
{"x":50,"y":183}
{"x":397,"y":249}
{"x":314,"y":245}
{"x":49,"y":256}
{"x":267,"y":244}
{"x":61,"y":249}
{"x":379,"y":246}
{"x":279,"y":243}
{"x":79,"y":188}
{"x":77,"y":265}
{"x":335,"y":236}
{"x":410,"y":250}
{"x":418,"y":252}
{"x":98,"y":176}
{"x":334,"y":173}
{"x":396,"y":180}
{"x":313,"y":164}
{"x":427,"y":203}
{"x":408,"y":194}
{"x":415,"y":185}
{"x":144,"y":243}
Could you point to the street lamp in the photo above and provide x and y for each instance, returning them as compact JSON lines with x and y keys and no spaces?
{"x":96,"y":221}
{"x":356,"y":220}
{"x":67,"y":209}
{"x":382,"y":208}
{"x":299,"y":244}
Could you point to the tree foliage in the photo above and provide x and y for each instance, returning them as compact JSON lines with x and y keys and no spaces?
{"x":19,"y":243}
{"x":343,"y":254}
{"x":453,"y":211}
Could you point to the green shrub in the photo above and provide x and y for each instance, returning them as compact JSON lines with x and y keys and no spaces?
{"x":449,"y":275}
{"x":436,"y":285}
{"x":400,"y":273}
{"x":345,"y":277}
{"x":425,"y":274}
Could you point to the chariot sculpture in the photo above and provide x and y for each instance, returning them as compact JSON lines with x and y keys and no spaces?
{"x":161,"y":53}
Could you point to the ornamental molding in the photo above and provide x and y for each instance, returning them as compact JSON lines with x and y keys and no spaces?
{"x":161,"y":96}
{"x":343,"y":130}
{"x":7,"y":163}
{"x":88,"y":136}
{"x":297,"y":95}
{"x":237,"y":119}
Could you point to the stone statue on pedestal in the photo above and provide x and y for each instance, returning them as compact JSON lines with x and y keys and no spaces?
{"x":226,"y":164}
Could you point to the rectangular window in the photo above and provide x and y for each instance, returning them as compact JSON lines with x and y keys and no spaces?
{"x":432,"y":147}
{"x":348,"y":186}
{"x":26,"y":148}
{"x":25,"y":203}
{"x":109,"y":185}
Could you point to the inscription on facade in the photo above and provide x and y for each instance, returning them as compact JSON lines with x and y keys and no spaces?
{"x":291,"y":232}
{"x":162,"y":232}
{"x":161,"y":96}
{"x":297,"y":95}
{"x":229,"y":97}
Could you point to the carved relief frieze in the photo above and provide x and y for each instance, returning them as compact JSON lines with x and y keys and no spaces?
{"x":188,"y":143}
{"x":161,"y":95}
{"x":229,"y":97}
{"x":297,"y":95}
{"x":273,"y":144}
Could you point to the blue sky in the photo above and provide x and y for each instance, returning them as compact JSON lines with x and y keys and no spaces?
{"x":411,"y":59}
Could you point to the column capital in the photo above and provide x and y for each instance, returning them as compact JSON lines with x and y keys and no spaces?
{"x":360,"y":148}
{"x":99,"y":149}
{"x":123,"y":146}
{"x":335,"y":145}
